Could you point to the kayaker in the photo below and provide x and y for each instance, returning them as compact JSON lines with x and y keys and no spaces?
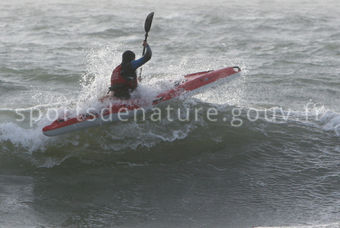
{"x":124,"y":77}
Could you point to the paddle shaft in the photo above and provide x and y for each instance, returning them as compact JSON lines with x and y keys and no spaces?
{"x":147,"y":27}
{"x":141,"y":69}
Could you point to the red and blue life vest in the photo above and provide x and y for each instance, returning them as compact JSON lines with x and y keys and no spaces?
{"x":118,"y":81}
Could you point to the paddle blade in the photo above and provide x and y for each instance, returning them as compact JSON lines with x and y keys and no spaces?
{"x":148,"y":22}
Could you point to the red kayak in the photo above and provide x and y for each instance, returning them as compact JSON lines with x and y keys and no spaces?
{"x":189,"y":83}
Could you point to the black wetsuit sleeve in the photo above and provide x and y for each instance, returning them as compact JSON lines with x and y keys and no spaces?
{"x":139,"y":62}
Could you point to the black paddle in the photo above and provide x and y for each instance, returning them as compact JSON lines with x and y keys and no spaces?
{"x":147,"y":27}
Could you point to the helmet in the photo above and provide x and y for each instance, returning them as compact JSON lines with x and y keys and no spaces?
{"x":128,"y":56}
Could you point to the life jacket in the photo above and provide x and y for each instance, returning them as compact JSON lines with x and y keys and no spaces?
{"x":118,"y":81}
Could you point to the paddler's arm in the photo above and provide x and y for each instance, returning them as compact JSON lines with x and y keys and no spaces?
{"x":147,"y":56}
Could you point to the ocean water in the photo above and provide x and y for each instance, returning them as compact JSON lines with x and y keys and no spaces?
{"x":280,"y":166}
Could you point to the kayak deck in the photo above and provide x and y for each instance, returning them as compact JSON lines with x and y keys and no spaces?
{"x":189,"y":83}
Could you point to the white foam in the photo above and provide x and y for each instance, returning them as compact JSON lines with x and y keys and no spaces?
{"x":330,"y":121}
{"x":30,"y":139}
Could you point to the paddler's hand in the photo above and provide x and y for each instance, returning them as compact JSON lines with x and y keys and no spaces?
{"x":145,"y":44}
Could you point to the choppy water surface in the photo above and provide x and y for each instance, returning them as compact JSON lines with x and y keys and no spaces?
{"x":56,"y":54}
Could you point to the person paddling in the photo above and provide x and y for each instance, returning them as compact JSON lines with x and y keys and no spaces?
{"x":124,"y":77}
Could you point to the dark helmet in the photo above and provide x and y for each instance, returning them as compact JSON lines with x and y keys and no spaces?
{"x":128,"y":56}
